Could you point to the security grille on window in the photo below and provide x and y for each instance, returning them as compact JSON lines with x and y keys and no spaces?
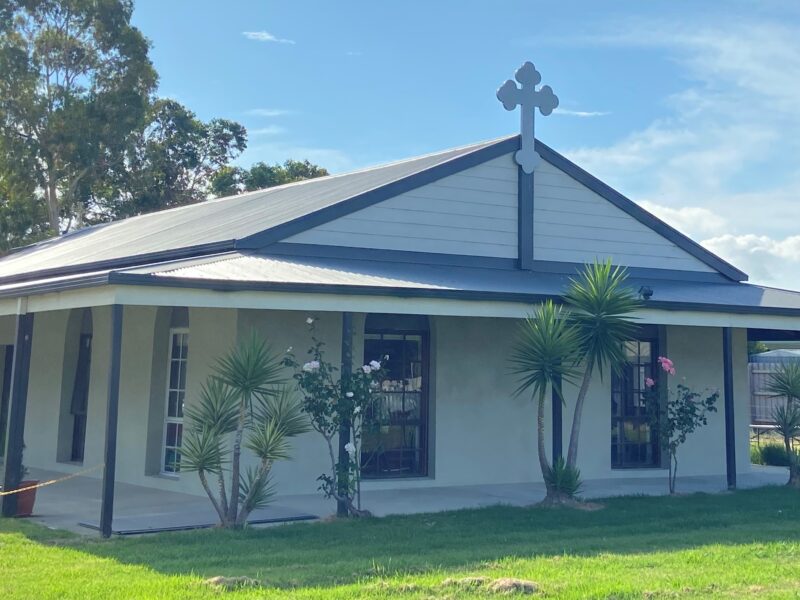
{"x":176,"y":395}
{"x":634,"y":441}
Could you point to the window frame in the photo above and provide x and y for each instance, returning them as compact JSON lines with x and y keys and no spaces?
{"x":168,"y":420}
{"x":651,"y":335}
{"x":424,"y":409}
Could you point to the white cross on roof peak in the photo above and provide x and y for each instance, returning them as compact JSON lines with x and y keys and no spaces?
{"x":528,"y":98}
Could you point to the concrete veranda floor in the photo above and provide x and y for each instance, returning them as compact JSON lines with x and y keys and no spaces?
{"x":137,"y":509}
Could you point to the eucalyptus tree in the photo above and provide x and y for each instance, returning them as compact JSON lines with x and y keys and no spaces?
{"x":601,"y":308}
{"x":76,"y":81}
{"x":785,"y":383}
{"x":545,"y":353}
{"x":243,"y":404}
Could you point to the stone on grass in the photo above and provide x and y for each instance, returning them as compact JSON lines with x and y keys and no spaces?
{"x":510,"y":585}
{"x":232,"y":583}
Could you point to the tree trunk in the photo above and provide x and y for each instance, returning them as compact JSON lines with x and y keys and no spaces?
{"x":233,"y":506}
{"x":51,"y":194}
{"x":572,"y":453}
{"x":544,"y":464}
{"x":794,"y":468}
{"x":217,"y":507}
{"x":673,"y":472}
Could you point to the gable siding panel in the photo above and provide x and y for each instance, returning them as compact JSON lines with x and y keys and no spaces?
{"x":574,"y":224}
{"x":472,"y":213}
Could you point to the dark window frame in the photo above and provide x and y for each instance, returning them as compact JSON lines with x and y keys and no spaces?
{"x":625,"y":388}
{"x":80,"y":397}
{"x":406,"y":325}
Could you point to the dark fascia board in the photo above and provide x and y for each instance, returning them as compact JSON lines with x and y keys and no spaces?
{"x":637,"y":212}
{"x":403,"y":292}
{"x":286,"y":249}
{"x":46,"y":287}
{"x":125,"y":262}
{"x":379,"y":194}
{"x":772,"y":335}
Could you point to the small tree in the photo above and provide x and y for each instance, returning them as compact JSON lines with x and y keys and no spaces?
{"x":330,"y":401}
{"x":544,"y":354}
{"x":785,"y":382}
{"x":242,"y":404}
{"x":601,"y":308}
{"x":682,"y":412}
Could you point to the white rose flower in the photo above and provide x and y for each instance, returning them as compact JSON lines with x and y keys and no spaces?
{"x":310,"y":320}
{"x":349,"y":395}
{"x":311,"y":366}
{"x":367,"y":369}
{"x":351,"y":449}
{"x":375,"y":365}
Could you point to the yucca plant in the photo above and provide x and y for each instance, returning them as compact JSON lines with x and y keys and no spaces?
{"x":244,"y":395}
{"x":602,"y":308}
{"x":785,"y":382}
{"x":545,"y":353}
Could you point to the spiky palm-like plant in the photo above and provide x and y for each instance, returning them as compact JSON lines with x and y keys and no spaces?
{"x":545,"y":353}
{"x":244,"y":395}
{"x":602,"y":310}
{"x":785,"y":382}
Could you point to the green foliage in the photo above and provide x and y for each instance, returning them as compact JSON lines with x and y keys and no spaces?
{"x":564,"y":479}
{"x":170,"y":161}
{"x":76,"y":81}
{"x":243,"y":404}
{"x":234,"y":180}
{"x":334,"y":403}
{"x":678,"y":416}
{"x":785,"y":381}
{"x":755,"y":455}
{"x":601,"y":308}
{"x":756,"y":348}
{"x":772,"y":454}
{"x":546,"y":349}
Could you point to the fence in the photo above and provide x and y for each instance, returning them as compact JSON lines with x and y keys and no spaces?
{"x":763,"y":402}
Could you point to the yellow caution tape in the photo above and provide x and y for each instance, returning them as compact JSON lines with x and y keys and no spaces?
{"x":52,"y":481}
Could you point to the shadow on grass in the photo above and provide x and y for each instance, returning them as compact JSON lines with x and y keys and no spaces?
{"x":341,"y":552}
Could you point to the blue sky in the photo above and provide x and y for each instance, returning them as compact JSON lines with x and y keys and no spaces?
{"x":690,"y":108}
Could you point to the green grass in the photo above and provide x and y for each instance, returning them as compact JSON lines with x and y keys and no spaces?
{"x":698,"y":546}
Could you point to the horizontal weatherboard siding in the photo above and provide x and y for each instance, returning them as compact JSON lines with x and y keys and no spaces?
{"x":472,"y":213}
{"x":574,"y":224}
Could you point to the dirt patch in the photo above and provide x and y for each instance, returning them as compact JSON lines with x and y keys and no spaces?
{"x":466,"y":582}
{"x":232,"y":583}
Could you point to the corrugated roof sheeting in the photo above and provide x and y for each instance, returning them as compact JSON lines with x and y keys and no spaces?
{"x":214,"y":221}
{"x":254,"y":269}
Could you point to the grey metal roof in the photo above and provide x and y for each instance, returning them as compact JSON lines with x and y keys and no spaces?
{"x":776,"y":356}
{"x":215,"y":224}
{"x":236,"y":270}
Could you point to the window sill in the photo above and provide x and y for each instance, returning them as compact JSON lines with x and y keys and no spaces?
{"x":169,"y":476}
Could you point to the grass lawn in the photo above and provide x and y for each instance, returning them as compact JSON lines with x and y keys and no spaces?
{"x":699,"y":546}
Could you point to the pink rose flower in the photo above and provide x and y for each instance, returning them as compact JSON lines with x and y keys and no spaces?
{"x":649,"y":382}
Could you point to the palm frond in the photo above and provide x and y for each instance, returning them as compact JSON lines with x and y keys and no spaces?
{"x":602,"y":309}
{"x":283,"y":407}
{"x":217,"y":407}
{"x":251,"y":369}
{"x":203,"y":449}
{"x":787,"y":420}
{"x":545,"y":350}
{"x":785,"y":381}
{"x":262,"y":495}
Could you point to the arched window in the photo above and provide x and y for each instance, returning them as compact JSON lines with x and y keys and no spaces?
{"x":395,"y":436}
{"x":177,"y":359}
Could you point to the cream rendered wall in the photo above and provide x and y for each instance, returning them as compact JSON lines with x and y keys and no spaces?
{"x":482,"y":432}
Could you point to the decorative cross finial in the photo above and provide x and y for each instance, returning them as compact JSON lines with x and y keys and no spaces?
{"x":528,"y":99}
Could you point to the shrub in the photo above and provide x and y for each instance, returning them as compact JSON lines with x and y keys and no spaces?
{"x":774,"y":455}
{"x":755,"y":455}
{"x":564,"y":479}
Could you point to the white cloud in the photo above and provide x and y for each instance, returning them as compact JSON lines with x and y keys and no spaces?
{"x":767,"y":260}
{"x":719,"y":163}
{"x":268,"y":112}
{"x":580,"y":113}
{"x":266,"y":131}
{"x":694,"y":221}
{"x":265,"y":36}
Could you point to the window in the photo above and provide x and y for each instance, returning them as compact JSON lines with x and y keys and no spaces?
{"x":176,"y":393}
{"x":634,"y":441}
{"x":80,"y":396}
{"x":395,"y":433}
